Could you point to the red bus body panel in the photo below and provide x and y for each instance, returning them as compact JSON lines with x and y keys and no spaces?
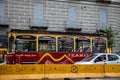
{"x":46,"y":57}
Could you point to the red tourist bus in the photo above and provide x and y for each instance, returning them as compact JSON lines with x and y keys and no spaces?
{"x":46,"y":47}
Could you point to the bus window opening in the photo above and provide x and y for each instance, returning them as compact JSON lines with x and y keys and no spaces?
{"x":83,"y":44}
{"x":99,"y":45}
{"x":27,"y":43}
{"x":65,"y":44}
{"x":47,"y":44}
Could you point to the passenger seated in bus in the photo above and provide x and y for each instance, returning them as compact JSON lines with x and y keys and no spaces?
{"x":86,"y":49}
{"x":95,"y":49}
{"x":69,"y":49}
{"x":80,"y":49}
{"x":62,"y":50}
{"x":26,"y":49}
{"x":102,"y":49}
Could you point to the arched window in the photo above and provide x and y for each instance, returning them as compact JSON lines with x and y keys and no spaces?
{"x":25,"y":43}
{"x":47,"y":43}
{"x":65,"y":44}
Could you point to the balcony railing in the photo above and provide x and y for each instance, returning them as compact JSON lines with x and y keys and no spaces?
{"x":102,"y":26}
{"x":38,"y":23}
{"x":104,"y":1}
{"x":4,"y":22}
{"x":73,"y":26}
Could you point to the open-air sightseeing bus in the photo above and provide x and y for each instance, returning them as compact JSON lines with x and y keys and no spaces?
{"x":48,"y":47}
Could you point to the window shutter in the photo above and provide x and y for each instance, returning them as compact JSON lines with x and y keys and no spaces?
{"x":103,"y":18}
{"x":1,"y":11}
{"x":72,"y":17}
{"x":38,"y":14}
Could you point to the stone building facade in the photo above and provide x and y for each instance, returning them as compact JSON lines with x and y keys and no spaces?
{"x":57,"y":15}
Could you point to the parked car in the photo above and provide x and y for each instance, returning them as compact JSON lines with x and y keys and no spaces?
{"x":101,"y":58}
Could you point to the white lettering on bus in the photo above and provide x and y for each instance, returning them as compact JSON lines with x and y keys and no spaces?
{"x":78,"y":55}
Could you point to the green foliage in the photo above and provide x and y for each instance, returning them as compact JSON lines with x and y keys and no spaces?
{"x":110,"y":35}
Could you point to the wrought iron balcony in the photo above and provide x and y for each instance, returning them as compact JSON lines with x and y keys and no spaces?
{"x":103,"y":1}
{"x":38,"y":23}
{"x":73,"y":26}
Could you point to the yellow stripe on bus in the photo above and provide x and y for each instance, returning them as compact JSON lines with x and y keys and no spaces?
{"x":56,"y":60}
